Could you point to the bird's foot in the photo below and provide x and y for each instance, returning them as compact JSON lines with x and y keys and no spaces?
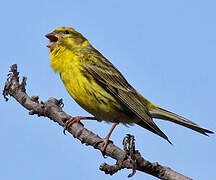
{"x":76,"y":119}
{"x":71,"y":121}
{"x":105,"y":141}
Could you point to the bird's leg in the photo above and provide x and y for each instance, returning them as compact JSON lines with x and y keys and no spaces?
{"x":105,"y":140}
{"x":76,"y":119}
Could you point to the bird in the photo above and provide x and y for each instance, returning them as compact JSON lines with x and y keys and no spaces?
{"x":101,"y":89}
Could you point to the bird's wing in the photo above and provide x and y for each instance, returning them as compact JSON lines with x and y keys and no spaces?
{"x":113,"y":82}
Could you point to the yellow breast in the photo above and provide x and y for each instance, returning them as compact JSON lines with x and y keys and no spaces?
{"x":85,"y":90}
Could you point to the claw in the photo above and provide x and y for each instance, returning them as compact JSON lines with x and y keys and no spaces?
{"x":105,"y":141}
{"x":71,"y":121}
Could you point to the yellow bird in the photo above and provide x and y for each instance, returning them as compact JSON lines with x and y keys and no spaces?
{"x":99,"y":88}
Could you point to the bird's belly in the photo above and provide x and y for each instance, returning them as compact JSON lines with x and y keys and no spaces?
{"x":94,"y":99}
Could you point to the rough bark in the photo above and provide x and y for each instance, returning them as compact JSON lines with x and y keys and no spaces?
{"x":128,"y":158}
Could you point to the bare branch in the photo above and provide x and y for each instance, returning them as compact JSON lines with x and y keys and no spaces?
{"x":128,"y":158}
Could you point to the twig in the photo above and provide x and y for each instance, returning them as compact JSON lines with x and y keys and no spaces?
{"x":52,"y":108}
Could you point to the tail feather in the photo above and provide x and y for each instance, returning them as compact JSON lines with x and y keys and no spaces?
{"x":159,"y":113}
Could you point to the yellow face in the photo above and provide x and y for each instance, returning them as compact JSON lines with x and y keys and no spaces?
{"x":65,"y":36}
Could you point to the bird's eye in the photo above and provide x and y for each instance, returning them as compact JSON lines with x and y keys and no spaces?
{"x":66,"y":32}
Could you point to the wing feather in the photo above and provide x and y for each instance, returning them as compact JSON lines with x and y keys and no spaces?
{"x":114,"y":82}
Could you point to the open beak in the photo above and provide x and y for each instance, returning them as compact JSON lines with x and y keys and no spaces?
{"x":53,"y":39}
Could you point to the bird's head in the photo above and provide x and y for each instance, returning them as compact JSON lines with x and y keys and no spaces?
{"x":66,"y":37}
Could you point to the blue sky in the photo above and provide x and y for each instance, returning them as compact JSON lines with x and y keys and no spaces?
{"x":166,"y":50}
